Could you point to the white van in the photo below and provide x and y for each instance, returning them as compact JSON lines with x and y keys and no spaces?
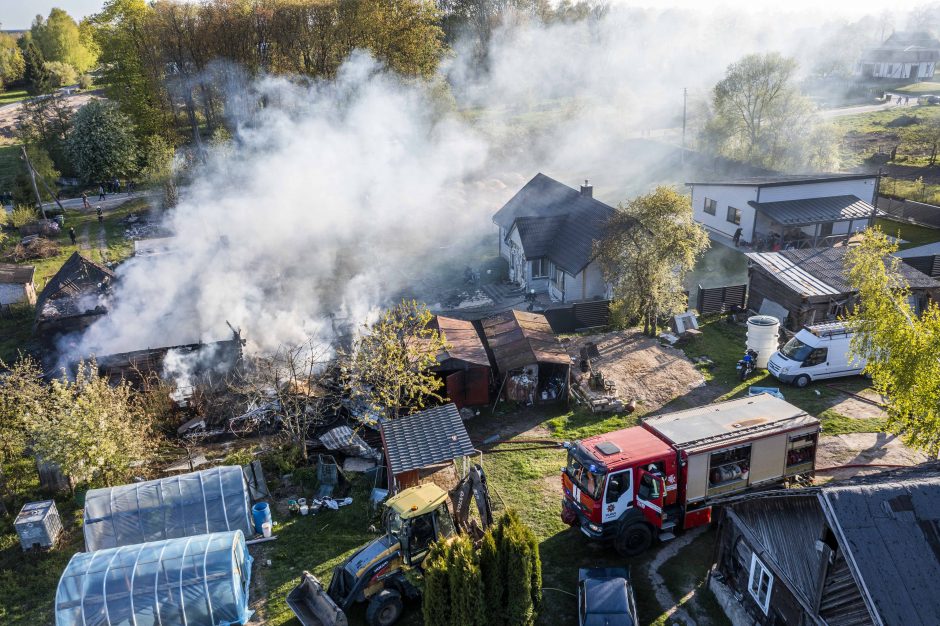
{"x":816,"y":352}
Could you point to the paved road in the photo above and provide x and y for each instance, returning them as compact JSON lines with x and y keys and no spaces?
{"x":868,"y":108}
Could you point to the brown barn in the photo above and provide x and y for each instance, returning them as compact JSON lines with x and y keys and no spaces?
{"x":531,"y":364}
{"x":811,"y":284}
{"x":462,"y":364}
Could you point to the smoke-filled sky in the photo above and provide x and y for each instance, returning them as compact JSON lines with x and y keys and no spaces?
{"x":338,"y":196}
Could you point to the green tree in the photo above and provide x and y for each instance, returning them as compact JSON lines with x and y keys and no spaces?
{"x":60,"y":39}
{"x":466,"y":585}
{"x":758,"y":116}
{"x":12,"y":64}
{"x":493,"y":586}
{"x":435,"y":601}
{"x":648,"y":247}
{"x":61,"y":74}
{"x":94,"y":432}
{"x":156,"y":167}
{"x":34,"y":70}
{"x":520,"y":570}
{"x":902,"y":350}
{"x":101,"y":144}
{"x":22,"y":396}
{"x":391,"y":361}
{"x":23,"y":192}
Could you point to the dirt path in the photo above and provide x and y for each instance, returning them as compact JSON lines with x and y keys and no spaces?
{"x":672,"y":607}
{"x":83,"y":243}
{"x":863,"y":449}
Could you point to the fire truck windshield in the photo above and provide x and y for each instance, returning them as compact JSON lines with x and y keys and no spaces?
{"x":585,"y":475}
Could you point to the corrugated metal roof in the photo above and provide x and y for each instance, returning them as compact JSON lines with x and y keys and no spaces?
{"x":929,"y":249}
{"x":11,"y":274}
{"x":711,"y":424}
{"x":821,"y":271}
{"x":815,"y":210}
{"x":786,"y":529}
{"x":463,"y":342}
{"x":889,"y":528}
{"x":519,"y":338}
{"x":558,"y":222}
{"x":425,"y":438}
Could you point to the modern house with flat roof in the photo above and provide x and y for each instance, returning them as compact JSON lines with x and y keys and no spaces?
{"x":777,"y":212}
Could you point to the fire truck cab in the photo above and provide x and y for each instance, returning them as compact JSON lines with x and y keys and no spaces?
{"x":619,"y":484}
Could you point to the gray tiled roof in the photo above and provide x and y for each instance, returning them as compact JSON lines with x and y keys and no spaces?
{"x":890,"y":527}
{"x":557,"y":221}
{"x":821,"y":271}
{"x":815,"y":210}
{"x":425,"y":438}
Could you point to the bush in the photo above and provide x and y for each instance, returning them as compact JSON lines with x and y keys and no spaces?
{"x":61,"y":74}
{"x":21,"y":216}
{"x":435,"y":603}
{"x":239,"y":457}
{"x":85,"y":82}
{"x":520,"y":568}
{"x":281,"y":460}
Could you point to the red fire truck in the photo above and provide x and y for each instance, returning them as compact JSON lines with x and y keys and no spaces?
{"x":638,"y":484}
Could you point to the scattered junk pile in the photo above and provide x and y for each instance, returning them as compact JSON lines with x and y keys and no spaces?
{"x":591,"y":388}
{"x":170,"y":551}
{"x":531,"y":364}
{"x":73,"y":299}
{"x":33,"y":247}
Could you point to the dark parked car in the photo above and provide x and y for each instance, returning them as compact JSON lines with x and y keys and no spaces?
{"x":605,"y":597}
{"x":928,"y":100}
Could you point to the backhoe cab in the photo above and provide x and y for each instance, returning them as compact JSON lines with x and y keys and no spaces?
{"x":413,"y":520}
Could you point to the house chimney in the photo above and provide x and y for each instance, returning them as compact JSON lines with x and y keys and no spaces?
{"x":587,"y":189}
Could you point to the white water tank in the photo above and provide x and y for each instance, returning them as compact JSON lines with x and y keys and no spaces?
{"x":763,"y":332}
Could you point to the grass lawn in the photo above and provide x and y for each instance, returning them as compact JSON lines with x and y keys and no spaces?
{"x":920,"y":88}
{"x":9,"y":165}
{"x":686,"y":572}
{"x":9,"y":97}
{"x":912,"y":233}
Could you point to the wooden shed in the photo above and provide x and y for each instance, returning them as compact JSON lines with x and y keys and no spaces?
{"x":462,"y":364}
{"x":811,"y":284}
{"x":532,"y":366}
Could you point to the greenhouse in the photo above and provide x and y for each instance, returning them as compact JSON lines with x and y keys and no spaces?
{"x":196,"y":581}
{"x":210,"y":501}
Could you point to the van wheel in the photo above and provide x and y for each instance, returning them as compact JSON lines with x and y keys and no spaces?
{"x":384,"y":609}
{"x":801,"y":381}
{"x":633,"y":540}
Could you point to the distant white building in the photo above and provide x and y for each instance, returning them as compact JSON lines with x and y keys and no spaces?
{"x":910,"y":55}
{"x":786,"y":211}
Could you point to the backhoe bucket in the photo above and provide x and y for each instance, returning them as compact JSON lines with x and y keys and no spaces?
{"x":313,"y":606}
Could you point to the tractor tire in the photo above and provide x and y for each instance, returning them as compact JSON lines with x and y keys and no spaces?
{"x":385,"y":608}
{"x":634,"y":539}
{"x":801,"y":381}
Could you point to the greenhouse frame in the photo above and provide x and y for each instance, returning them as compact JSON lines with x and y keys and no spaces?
{"x":191,"y":581}
{"x":208,"y":501}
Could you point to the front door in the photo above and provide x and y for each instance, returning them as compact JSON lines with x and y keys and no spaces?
{"x":649,"y":497}
{"x":618,"y":497}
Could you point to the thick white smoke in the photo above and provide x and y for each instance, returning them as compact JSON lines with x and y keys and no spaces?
{"x":336,"y":197}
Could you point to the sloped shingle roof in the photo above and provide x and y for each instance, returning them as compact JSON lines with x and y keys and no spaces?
{"x":519,"y":338}
{"x":821,"y":271}
{"x":557,"y":221}
{"x":815,"y":210}
{"x":425,"y":438}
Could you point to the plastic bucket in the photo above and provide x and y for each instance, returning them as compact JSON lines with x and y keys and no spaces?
{"x":303,"y":509}
{"x":261,"y":513}
{"x":266,"y":529}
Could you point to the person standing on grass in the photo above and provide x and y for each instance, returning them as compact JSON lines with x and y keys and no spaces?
{"x":72,"y":234}
{"x":101,"y":195}
{"x":85,"y":203}
{"x":100,"y":214}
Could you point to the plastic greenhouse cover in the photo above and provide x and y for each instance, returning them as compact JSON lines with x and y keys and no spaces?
{"x":192,"y":581}
{"x":213,"y":500}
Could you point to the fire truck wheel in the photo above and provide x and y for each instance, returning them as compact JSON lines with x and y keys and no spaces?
{"x":633,"y":540}
{"x":384,"y":609}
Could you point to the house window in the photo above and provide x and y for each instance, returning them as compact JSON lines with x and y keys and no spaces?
{"x":734,"y":215}
{"x":539,"y":268}
{"x":760,"y":584}
{"x":710,"y":206}
{"x":825,"y":229}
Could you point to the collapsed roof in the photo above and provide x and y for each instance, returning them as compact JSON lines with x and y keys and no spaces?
{"x":76,"y":289}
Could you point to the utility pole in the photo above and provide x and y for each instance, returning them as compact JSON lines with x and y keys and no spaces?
{"x":685,"y":100}
{"x":32,"y":176}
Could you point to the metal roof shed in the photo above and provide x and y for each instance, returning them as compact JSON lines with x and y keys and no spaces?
{"x":212,"y":500}
{"x":463,"y":363}
{"x":196,"y":581}
{"x":519,"y":338}
{"x":422,"y":440}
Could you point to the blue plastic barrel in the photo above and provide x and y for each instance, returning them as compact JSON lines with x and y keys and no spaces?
{"x":261,"y":513}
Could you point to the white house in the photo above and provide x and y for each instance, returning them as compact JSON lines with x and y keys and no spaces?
{"x":786,"y":211}
{"x":16,"y":284}
{"x":547,"y":233}
{"x":910,"y":55}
